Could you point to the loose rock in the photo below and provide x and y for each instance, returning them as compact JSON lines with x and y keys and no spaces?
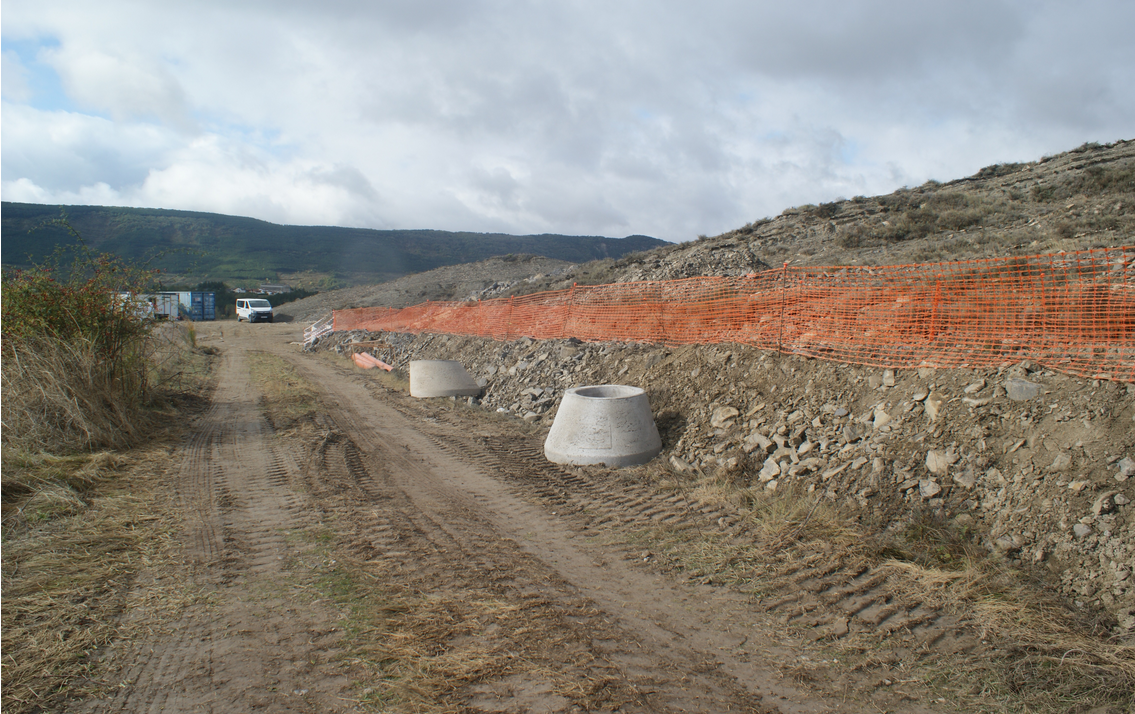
{"x":1020,"y":390}
{"x":723,"y":416}
{"x":937,"y":462}
{"x":933,"y":405}
{"x":929,"y":488}
{"x":1062,"y":463}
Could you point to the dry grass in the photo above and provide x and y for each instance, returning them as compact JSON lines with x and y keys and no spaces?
{"x":177,"y":365}
{"x":69,"y":562}
{"x":38,"y":487}
{"x":287,"y":397}
{"x":1048,"y":655}
{"x":780,"y":530}
{"x":1043,"y":657}
{"x":60,"y":397}
{"x":413,"y":651}
{"x":78,"y":529}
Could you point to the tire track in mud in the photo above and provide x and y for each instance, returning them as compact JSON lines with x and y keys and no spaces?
{"x":245,"y":649}
{"x":436,"y":541}
{"x":829,"y":599}
{"x":496,"y":483}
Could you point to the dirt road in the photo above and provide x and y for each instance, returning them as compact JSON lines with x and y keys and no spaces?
{"x":518,"y":586}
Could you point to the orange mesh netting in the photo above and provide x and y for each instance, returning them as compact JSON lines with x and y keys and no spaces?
{"x":1074,"y":312}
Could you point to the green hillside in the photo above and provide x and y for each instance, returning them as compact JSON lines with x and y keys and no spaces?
{"x":210,"y":246}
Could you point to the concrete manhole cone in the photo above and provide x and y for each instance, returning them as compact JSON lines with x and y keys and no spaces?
{"x":441,"y":378}
{"x":607,"y":424}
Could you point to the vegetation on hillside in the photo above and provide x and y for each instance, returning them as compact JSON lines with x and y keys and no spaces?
{"x":246,"y":251}
{"x":74,"y":367}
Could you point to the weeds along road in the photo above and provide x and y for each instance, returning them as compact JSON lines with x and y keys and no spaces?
{"x":356,"y":549}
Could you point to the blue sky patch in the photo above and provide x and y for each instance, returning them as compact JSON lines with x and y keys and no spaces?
{"x":42,"y":80}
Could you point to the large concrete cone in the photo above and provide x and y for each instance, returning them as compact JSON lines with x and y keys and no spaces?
{"x":441,"y":378}
{"x":608,"y":424}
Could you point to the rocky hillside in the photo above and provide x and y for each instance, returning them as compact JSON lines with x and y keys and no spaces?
{"x":1077,"y":200}
{"x":488,"y":278}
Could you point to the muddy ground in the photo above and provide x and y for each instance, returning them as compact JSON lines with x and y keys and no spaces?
{"x":349,"y":548}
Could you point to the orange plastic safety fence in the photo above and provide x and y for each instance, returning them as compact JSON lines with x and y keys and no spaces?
{"x":1074,"y":312}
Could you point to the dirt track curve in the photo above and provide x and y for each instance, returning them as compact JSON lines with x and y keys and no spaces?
{"x":443,"y":499}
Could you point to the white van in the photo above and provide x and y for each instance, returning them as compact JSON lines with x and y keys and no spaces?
{"x":253,"y":310}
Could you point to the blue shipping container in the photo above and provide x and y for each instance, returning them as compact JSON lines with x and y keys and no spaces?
{"x":202,"y":306}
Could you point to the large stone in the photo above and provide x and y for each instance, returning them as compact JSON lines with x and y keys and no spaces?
{"x":1104,"y":504}
{"x":1021,"y":390}
{"x":723,"y":416}
{"x":835,"y":471}
{"x":757,"y":441}
{"x":882,"y":418}
{"x":933,"y":405}
{"x":1062,"y":462}
{"x":937,"y":462}
{"x":1126,"y":469}
{"x":770,"y":470}
{"x":853,"y":432}
{"x":966,"y":480}
{"x":785,"y":452}
{"x":929,"y":488}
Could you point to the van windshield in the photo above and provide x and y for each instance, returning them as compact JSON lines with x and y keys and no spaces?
{"x":259,"y":303}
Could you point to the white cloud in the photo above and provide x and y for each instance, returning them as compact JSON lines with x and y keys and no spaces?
{"x":14,"y":78}
{"x":642,"y":117}
{"x":126,"y":87}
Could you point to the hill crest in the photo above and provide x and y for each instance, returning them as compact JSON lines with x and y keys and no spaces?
{"x":245,"y":251}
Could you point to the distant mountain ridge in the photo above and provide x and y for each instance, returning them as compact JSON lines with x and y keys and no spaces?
{"x":211,"y":246}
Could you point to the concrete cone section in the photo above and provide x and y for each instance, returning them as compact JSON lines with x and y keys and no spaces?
{"x":441,"y":378}
{"x":607,"y":424}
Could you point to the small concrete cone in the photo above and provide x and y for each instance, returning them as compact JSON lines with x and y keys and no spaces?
{"x":607,"y":424}
{"x":441,"y":378}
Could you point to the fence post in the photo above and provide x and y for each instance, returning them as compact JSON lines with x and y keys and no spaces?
{"x":783,"y":300}
{"x":567,"y":311}
{"x":508,"y":325}
{"x":934,"y":309}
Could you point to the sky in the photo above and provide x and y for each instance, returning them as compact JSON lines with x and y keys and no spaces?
{"x":663,"y":117}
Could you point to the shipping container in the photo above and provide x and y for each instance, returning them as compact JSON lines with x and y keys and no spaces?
{"x":202,"y":306}
{"x":165,"y":305}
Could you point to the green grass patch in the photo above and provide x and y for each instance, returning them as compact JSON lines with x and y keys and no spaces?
{"x":287,"y":397}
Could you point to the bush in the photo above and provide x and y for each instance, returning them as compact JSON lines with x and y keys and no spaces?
{"x":75,"y":375}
